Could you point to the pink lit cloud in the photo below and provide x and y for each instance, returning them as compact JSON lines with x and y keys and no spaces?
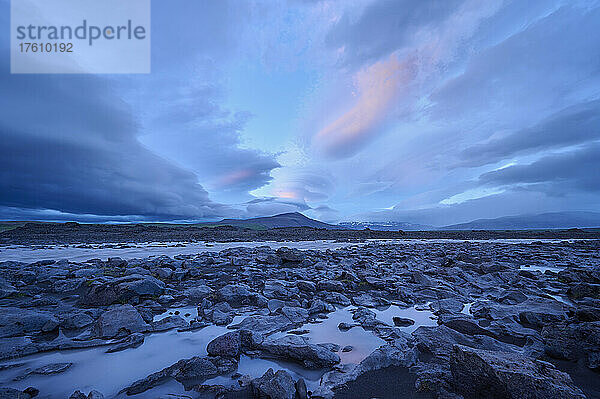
{"x":378,"y":87}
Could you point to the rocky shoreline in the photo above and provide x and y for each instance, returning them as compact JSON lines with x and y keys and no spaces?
{"x":425,"y":320}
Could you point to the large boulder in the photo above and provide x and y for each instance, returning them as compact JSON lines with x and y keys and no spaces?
{"x":584,"y":290}
{"x":397,"y":354}
{"x":18,"y":321}
{"x":238,"y":295}
{"x":76,"y":320}
{"x":295,"y":314}
{"x":573,"y":275}
{"x":228,"y":345}
{"x":122,"y":290}
{"x":277,"y":289}
{"x":17,"y":347}
{"x":195,"y":295}
{"x":499,"y":375}
{"x":574,"y":342}
{"x":330,"y":285}
{"x":367,"y":300}
{"x":438,"y":341}
{"x":279,"y":385}
{"x":6,"y":289}
{"x":265,"y":324}
{"x":535,"y":312}
{"x":120,"y":319}
{"x":290,"y":255}
{"x":186,"y":371}
{"x":142,"y":286}
{"x":299,"y":349}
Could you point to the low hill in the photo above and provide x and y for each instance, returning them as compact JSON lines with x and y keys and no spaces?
{"x":554,"y":220}
{"x":292,"y":219}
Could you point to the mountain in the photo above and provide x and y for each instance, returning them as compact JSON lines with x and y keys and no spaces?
{"x":555,"y":220}
{"x":293,"y":219}
{"x":386,"y":226}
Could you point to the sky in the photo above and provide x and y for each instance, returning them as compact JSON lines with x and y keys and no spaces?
{"x":434,"y":112}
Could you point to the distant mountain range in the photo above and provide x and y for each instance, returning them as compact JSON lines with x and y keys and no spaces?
{"x":293,"y":219}
{"x":554,"y":220}
{"x":386,"y":226}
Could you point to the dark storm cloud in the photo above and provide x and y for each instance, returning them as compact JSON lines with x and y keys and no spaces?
{"x":385,"y":26}
{"x":69,"y":144}
{"x":574,"y":125}
{"x":553,"y":174}
{"x":72,"y":148}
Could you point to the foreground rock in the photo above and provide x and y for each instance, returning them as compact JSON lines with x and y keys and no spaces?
{"x":481,"y":296}
{"x":125,"y":289}
{"x":399,"y":354}
{"x":11,"y":393}
{"x":279,"y":385}
{"x":573,"y":342}
{"x":186,"y":371}
{"x":92,"y":395}
{"x":299,"y":349}
{"x":495,"y":375}
{"x":121,"y":320}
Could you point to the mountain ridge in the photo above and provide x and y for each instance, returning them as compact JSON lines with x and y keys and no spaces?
{"x":548,"y":220}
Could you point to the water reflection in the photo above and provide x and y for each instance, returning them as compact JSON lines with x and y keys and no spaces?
{"x":420,"y":314}
{"x":110,"y":372}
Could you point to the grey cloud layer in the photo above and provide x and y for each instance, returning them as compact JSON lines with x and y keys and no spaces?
{"x":385,"y":26}
{"x":79,"y":154}
{"x":529,"y":72}
{"x":574,"y":170}
{"x":575,"y":125}
{"x":71,"y":146}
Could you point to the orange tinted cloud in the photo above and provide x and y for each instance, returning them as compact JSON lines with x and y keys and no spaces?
{"x":287,"y":194}
{"x":234,"y":177}
{"x":378,"y":86}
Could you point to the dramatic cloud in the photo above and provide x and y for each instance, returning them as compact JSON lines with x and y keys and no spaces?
{"x":533,"y":71}
{"x":305,"y":186}
{"x":88,"y":145}
{"x":573,"y":170}
{"x":575,"y":125}
{"x":387,"y":25}
{"x":211,"y":148}
{"x":395,"y":73}
{"x":377,"y":87}
{"x":79,"y":154}
{"x":432,"y":112}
